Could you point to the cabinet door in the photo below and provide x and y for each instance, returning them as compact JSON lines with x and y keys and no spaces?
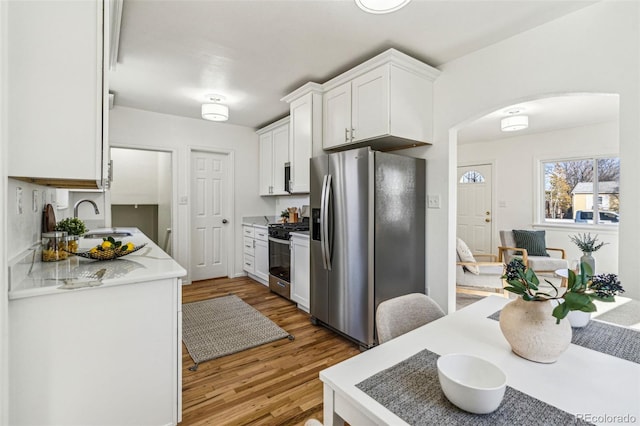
{"x":54,"y":90}
{"x":280,"y":156}
{"x":262,"y":260}
{"x":266,"y":163}
{"x":300,"y":142}
{"x":370,"y":104}
{"x":300,"y":278}
{"x":336,"y":110}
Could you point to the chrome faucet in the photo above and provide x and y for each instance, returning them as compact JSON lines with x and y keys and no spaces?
{"x":75,"y":207}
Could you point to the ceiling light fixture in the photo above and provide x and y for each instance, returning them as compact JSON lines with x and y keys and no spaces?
{"x":215,"y":111}
{"x":515,"y":123}
{"x":381,"y":6}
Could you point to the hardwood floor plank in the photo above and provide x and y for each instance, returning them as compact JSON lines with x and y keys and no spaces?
{"x":273,"y":384}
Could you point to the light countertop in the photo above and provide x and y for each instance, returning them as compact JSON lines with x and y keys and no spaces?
{"x":29,"y":276}
{"x":259,"y":220}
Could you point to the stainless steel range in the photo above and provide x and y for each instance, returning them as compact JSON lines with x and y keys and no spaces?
{"x":280,"y":255}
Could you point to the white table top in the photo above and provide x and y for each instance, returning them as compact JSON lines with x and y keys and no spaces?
{"x":581,"y":381}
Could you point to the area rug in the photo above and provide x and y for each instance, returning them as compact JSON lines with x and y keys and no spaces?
{"x":225,"y":325}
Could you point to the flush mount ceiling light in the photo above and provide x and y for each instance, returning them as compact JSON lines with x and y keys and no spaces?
{"x":215,"y":111}
{"x":515,"y":123}
{"x":381,"y":6}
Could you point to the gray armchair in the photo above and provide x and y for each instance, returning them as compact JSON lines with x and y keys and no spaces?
{"x":541,"y":264}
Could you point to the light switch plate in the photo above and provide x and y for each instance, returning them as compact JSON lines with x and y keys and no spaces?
{"x":433,"y":201}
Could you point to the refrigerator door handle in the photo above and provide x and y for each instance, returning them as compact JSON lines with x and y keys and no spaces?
{"x":327,"y":245}
{"x":323,"y":223}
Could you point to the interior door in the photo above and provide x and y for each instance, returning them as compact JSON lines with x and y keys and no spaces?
{"x":209,"y":212}
{"x":475,"y":216}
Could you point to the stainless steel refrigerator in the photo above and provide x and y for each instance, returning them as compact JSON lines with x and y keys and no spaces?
{"x":367,"y":237}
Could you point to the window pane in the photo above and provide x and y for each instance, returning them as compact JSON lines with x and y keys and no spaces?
{"x":574,"y":192}
{"x":472,"y":176}
{"x":608,"y":190}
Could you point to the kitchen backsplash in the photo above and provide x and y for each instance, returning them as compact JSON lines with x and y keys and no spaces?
{"x":282,"y":203}
{"x":25,"y":227}
{"x":24,"y":219}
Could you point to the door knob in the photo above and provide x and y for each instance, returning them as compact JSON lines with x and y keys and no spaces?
{"x":487,"y":220}
{"x":225,"y":221}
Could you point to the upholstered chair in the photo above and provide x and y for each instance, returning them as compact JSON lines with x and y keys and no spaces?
{"x":402,"y":314}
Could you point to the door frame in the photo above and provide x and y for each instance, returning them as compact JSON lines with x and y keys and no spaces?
{"x":175,"y":249}
{"x":494,"y":201}
{"x":230,"y":203}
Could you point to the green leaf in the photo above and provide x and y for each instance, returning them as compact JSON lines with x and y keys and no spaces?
{"x":515,"y":290}
{"x":118,"y":244}
{"x":560,"y":312}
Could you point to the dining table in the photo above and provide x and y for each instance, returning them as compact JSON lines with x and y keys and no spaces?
{"x":396,"y":383}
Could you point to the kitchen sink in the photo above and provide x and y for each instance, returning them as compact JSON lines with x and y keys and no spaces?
{"x":108,"y":232}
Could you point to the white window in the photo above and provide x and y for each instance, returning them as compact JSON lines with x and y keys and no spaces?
{"x":584,"y":191}
{"x":472,"y":176}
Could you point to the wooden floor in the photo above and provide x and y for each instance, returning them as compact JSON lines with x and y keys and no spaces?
{"x":273,"y":384}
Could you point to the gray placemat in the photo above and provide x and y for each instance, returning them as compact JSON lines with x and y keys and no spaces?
{"x":411,"y":390}
{"x":609,"y":339}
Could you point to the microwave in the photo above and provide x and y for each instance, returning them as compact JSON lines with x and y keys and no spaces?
{"x":287,"y":177}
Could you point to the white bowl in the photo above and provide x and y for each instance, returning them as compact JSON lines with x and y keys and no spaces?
{"x":471,"y":383}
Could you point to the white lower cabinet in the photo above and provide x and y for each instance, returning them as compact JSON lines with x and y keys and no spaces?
{"x":261,"y":253}
{"x":256,"y":252}
{"x":300,"y":272}
{"x":103,"y":356}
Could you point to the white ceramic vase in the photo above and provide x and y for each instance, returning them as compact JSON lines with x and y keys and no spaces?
{"x":532,"y":332}
{"x":579,"y":319}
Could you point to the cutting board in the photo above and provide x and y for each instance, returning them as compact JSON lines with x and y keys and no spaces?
{"x":48,"y":219}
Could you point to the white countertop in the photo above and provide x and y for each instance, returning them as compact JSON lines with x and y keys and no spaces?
{"x":29,"y":277}
{"x":259,"y":220}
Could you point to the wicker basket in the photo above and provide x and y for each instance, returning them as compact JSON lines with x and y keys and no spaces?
{"x":109,"y":254}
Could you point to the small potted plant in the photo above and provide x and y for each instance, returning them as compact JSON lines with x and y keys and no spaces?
{"x":530,"y":318}
{"x":74,"y":228}
{"x":587,"y":245}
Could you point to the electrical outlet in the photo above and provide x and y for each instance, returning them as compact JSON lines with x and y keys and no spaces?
{"x":34,"y":201}
{"x":18,"y":200}
{"x":433,"y":201}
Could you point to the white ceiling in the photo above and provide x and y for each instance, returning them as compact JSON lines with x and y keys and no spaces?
{"x":173,"y":52}
{"x":545,"y":114}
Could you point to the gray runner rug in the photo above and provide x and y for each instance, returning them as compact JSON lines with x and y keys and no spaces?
{"x":225,"y":325}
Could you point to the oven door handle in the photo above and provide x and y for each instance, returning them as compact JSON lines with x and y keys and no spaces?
{"x":279,"y":241}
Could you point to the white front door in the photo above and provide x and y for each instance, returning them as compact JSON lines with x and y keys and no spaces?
{"x":475,"y":207}
{"x":209,"y":215}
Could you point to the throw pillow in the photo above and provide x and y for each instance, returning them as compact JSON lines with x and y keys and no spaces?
{"x":466,"y":256}
{"x":532,"y":241}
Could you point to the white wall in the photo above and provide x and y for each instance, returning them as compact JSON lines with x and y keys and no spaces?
{"x":4,"y":310}
{"x":515,"y":162}
{"x":139,"y":129}
{"x":143,"y":177}
{"x":595,"y":49}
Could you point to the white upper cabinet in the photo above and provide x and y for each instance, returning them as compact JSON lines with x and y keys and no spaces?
{"x":385,"y":103}
{"x":274,"y":153}
{"x":56,"y":93}
{"x":304,"y":128}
